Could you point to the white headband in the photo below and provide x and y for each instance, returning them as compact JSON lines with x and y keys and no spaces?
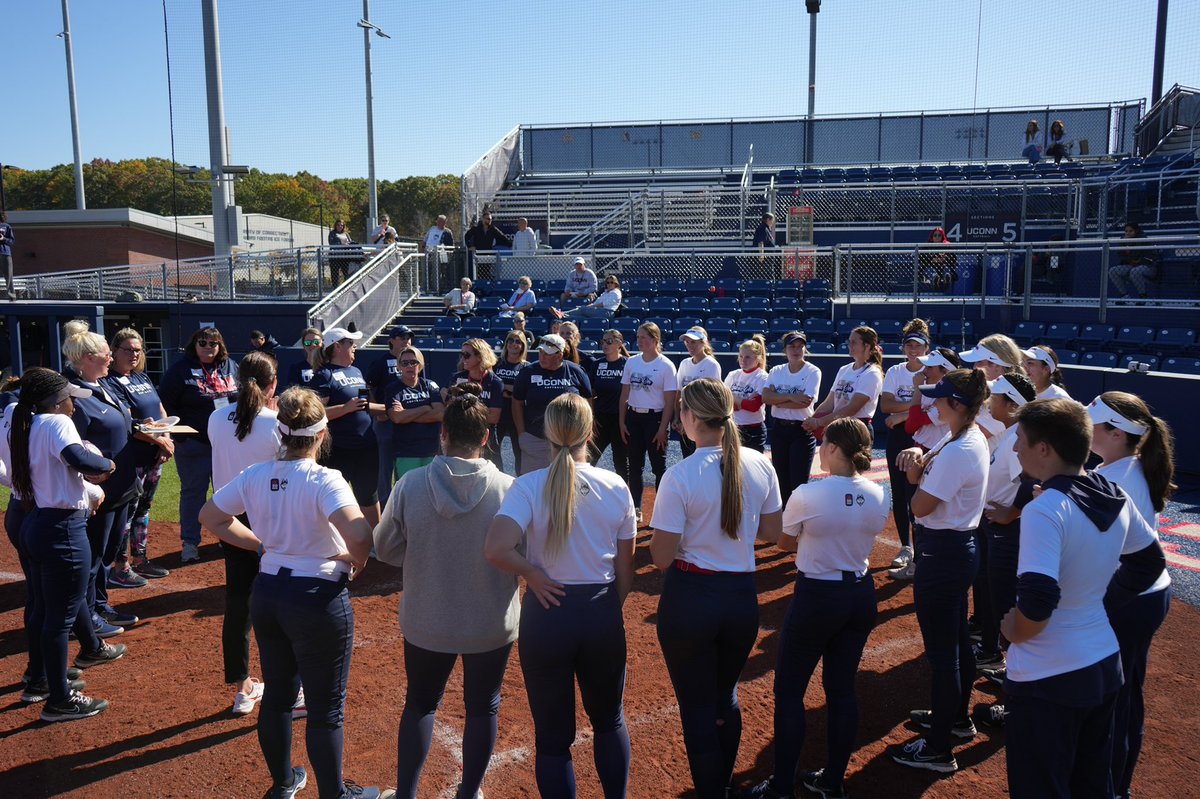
{"x":311,"y":430}
{"x":1039,"y":354}
{"x":1004,"y":388}
{"x":1101,"y":413}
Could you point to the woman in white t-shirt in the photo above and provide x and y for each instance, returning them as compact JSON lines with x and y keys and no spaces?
{"x":995,"y":355}
{"x":648,"y":391}
{"x":897,"y":397}
{"x":947,"y":506}
{"x":603,"y":306}
{"x":1138,"y":455}
{"x":242,"y":436}
{"x":856,"y":388}
{"x":791,"y":389}
{"x":831,"y":525}
{"x":746,"y":383}
{"x":1041,"y":364}
{"x":575,"y":524}
{"x":699,"y":363}
{"x":314,"y":539}
{"x":52,"y":474}
{"x":710,"y":510}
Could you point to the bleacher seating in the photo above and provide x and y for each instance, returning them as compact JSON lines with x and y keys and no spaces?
{"x":1096,"y":335}
{"x":1060,"y":334}
{"x":1099,"y":358}
{"x":1133,"y":338}
{"x":1173,"y":341}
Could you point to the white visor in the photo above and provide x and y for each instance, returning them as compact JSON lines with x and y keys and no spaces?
{"x":311,"y":430}
{"x":935,"y":358}
{"x":1001,"y":386}
{"x":1101,"y":414}
{"x":1039,"y":354}
{"x":980,"y":353}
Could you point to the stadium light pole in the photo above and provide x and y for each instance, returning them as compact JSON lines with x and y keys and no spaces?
{"x":373,"y":199}
{"x":814,"y":8}
{"x":224,"y":210}
{"x":80,"y":201}
{"x":1160,"y":46}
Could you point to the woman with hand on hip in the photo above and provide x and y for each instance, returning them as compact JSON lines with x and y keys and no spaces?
{"x":831,"y":525}
{"x":314,"y":538}
{"x":577,"y":526}
{"x":710,"y":510}
{"x":454,"y":604}
{"x":243,"y":436}
{"x":648,"y":389}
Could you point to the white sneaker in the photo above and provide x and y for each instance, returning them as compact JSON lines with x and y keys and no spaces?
{"x":244,"y":703}
{"x":904,"y":558}
{"x":905,"y":572}
{"x":299,"y":709}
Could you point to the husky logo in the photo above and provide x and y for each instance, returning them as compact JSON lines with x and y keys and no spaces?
{"x":860,"y":500}
{"x":583,"y":488}
{"x":231,"y":415}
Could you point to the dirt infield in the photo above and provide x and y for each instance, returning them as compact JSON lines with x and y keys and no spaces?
{"x":169,"y":732}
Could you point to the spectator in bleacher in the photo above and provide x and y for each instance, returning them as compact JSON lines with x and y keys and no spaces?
{"x":519,"y":326}
{"x":937,"y":266}
{"x":764,"y":234}
{"x":382,"y":371}
{"x":700,"y":363}
{"x":301,"y":372}
{"x":535,"y":386}
{"x":516,"y":349}
{"x":525,"y":242}
{"x":1137,"y":267}
{"x":460,"y":302}
{"x":381,"y":232}
{"x":263,"y":342}
{"x":604,"y":305}
{"x":6,"y":242}
{"x":342,"y":256}
{"x":1031,"y":146}
{"x":523,"y":299}
{"x":484,"y":236}
{"x":439,"y":239}
{"x":581,"y":283}
{"x":1057,"y":148}
{"x":1041,"y":364}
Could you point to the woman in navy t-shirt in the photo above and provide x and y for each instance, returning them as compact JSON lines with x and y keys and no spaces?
{"x":414,"y":404}
{"x":478,"y":362}
{"x":512,"y":361}
{"x":605,"y":374}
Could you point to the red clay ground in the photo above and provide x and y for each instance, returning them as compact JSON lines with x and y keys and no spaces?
{"x":169,"y":732}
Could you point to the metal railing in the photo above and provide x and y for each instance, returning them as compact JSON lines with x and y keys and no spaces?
{"x":1130,"y":194}
{"x":1179,"y":107}
{"x":374,"y":295}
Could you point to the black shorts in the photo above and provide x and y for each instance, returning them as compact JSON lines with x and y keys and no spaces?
{"x":360,"y":467}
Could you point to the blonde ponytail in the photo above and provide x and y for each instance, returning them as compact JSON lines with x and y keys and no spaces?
{"x":568,"y":425}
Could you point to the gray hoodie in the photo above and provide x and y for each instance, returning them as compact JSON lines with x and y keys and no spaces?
{"x":434,"y":526}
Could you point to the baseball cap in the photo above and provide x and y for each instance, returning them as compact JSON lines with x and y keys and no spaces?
{"x":580,"y":261}
{"x":1001,"y":386}
{"x":944,"y":388}
{"x":552,"y":344}
{"x":695,"y":334}
{"x":400,"y":330}
{"x":1039,"y":354}
{"x":793,"y":336}
{"x":335,"y":334}
{"x":981,"y":353}
{"x":935,"y":358}
{"x":1100,"y":413}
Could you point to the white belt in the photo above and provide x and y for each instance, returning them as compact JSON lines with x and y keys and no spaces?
{"x":644,"y":410}
{"x":835,"y":575}
{"x":333,"y":578}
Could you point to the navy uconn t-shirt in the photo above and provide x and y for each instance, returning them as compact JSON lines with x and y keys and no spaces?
{"x":536,"y":387}
{"x":339,"y":384}
{"x":492,"y":392}
{"x":606,"y":384}
{"x":415,"y":439}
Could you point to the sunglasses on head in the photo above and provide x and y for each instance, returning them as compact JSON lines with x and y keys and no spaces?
{"x":312,"y":342}
{"x":410,"y":362}
{"x":208,"y":342}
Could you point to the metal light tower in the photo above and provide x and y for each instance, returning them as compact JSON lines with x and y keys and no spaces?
{"x":373,"y":199}
{"x":814,"y":8}
{"x":80,"y":201}
{"x":225,"y":227}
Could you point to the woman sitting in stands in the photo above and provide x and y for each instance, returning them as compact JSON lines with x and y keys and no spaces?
{"x":603,"y":306}
{"x":523,"y":299}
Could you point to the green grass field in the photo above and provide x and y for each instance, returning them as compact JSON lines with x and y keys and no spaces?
{"x":166,"y":501}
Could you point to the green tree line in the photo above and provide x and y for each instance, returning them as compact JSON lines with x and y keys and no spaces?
{"x":151,"y":184}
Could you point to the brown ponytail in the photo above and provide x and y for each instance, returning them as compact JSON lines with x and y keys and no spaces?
{"x":853,"y":438}
{"x":1155,"y":448}
{"x":255,"y":373}
{"x":870,"y":340}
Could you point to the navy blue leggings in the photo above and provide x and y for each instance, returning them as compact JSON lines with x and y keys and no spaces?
{"x":426,"y":673}
{"x":1004,"y":546}
{"x":1135,"y":625}
{"x":707,"y":625}
{"x":828,"y":621}
{"x":104,"y":530}
{"x":305,"y":632}
{"x":792,"y":449}
{"x":583,"y":639}
{"x":14,"y":517}
{"x":643,"y":427}
{"x":946,"y":565}
{"x":902,"y":490}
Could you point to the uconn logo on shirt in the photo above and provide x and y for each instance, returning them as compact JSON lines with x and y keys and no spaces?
{"x":278,"y":485}
{"x":844,"y":389}
{"x":904,"y":394}
{"x":788,"y":389}
{"x":551,"y":382}
{"x":340,"y":379}
{"x":604,"y":371}
{"x":855,"y":499}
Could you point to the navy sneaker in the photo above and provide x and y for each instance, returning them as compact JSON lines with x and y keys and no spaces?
{"x":917,"y":754}
{"x":124,"y":577}
{"x":148,"y":568}
{"x":103,"y":628}
{"x":40,"y":691}
{"x":923,"y":719}
{"x":814,"y":781}
{"x":72,"y":674}
{"x":352,"y":790}
{"x":992,"y":716}
{"x":107,"y":653}
{"x":114,"y":616}
{"x":764,"y":790}
{"x":75,"y":706}
{"x":299,"y":780}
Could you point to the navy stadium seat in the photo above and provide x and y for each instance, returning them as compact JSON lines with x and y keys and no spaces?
{"x":749,"y":325}
{"x":893,"y":348}
{"x":721,"y":327}
{"x":788,"y":306}
{"x":730,"y":286}
{"x":636,"y":305}
{"x":760,"y":287}
{"x":594,"y":327}
{"x":664,"y":305}
{"x":819,"y":328}
{"x":476,"y":326}
{"x":482,"y":288}
{"x":1099,"y":358}
{"x":694,"y":305}
{"x":1028,"y":333}
{"x":817,"y":306}
{"x":665,"y":324}
{"x":697,"y":287}
{"x":821,"y":347}
{"x":427,"y":343}
{"x":1058,"y":334}
{"x":1094,"y":335}
{"x":725,"y":306}
{"x":1134,"y":338}
{"x":845,"y":327}
{"x":628,"y":326}
{"x":1173,"y":340}
{"x":446,"y":325}
{"x":783,"y":324}
{"x":1185,"y":366}
{"x":671,"y":286}
{"x":1067,"y":356}
{"x":757,"y":305}
{"x":888,"y":329}
{"x":816,"y":283}
{"x":955,"y":330}
{"x":645,"y":286}
{"x":488,"y":305}
{"x":683,"y":321}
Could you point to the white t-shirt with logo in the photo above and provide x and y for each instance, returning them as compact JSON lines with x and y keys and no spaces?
{"x":1129,"y":475}
{"x":837,"y":520}
{"x":289,"y":503}
{"x":604,"y":514}
{"x":1053,"y":392}
{"x":1061,"y":542}
{"x":229,"y":455}
{"x":957,"y":475}
{"x":55,"y":483}
{"x":690,"y":370}
{"x":1004,"y":472}
{"x":866,"y":380}
{"x":747,"y":385}
{"x":649,"y":382}
{"x":898,"y":381}
{"x":805,"y":380}
{"x":5,"y":451}
{"x":689,"y":504}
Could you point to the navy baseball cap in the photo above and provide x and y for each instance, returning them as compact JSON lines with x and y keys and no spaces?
{"x":400,"y":330}
{"x":944,"y":388}
{"x":793,"y":336}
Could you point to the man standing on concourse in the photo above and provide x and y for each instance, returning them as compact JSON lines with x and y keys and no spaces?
{"x":484,"y":236}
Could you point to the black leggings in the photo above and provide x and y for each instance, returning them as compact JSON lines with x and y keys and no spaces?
{"x":902,"y":490}
{"x":241,"y":567}
{"x":607,"y":433}
{"x":643,"y":427}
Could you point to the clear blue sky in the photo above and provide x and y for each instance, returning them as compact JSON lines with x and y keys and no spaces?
{"x":456,"y":76}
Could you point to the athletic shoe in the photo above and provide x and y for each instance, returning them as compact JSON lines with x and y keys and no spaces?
{"x":916,"y":754}
{"x":995,"y":675}
{"x":458,"y":790}
{"x":40,"y":691}
{"x":904,"y":558}
{"x":924,"y":720}
{"x":764,"y":790}
{"x":103,"y":628}
{"x":812,"y":780}
{"x":107,"y":653}
{"x":190,"y":553}
{"x":988,"y":660}
{"x":991,"y":716}
{"x":974,"y":630}
{"x":352,"y":790}
{"x":299,"y":709}
{"x":148,"y":568}
{"x":72,"y":674}
{"x":244,"y":703}
{"x":905,"y":572}
{"x":125,"y":578}
{"x":299,"y":780}
{"x":113,"y":616}
{"x":75,"y":706}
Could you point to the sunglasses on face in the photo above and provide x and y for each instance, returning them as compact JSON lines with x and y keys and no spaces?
{"x":131,"y":350}
{"x":466,"y":355}
{"x":312,"y":342}
{"x":410,"y":362}
{"x":612,"y":341}
{"x":208,"y":342}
